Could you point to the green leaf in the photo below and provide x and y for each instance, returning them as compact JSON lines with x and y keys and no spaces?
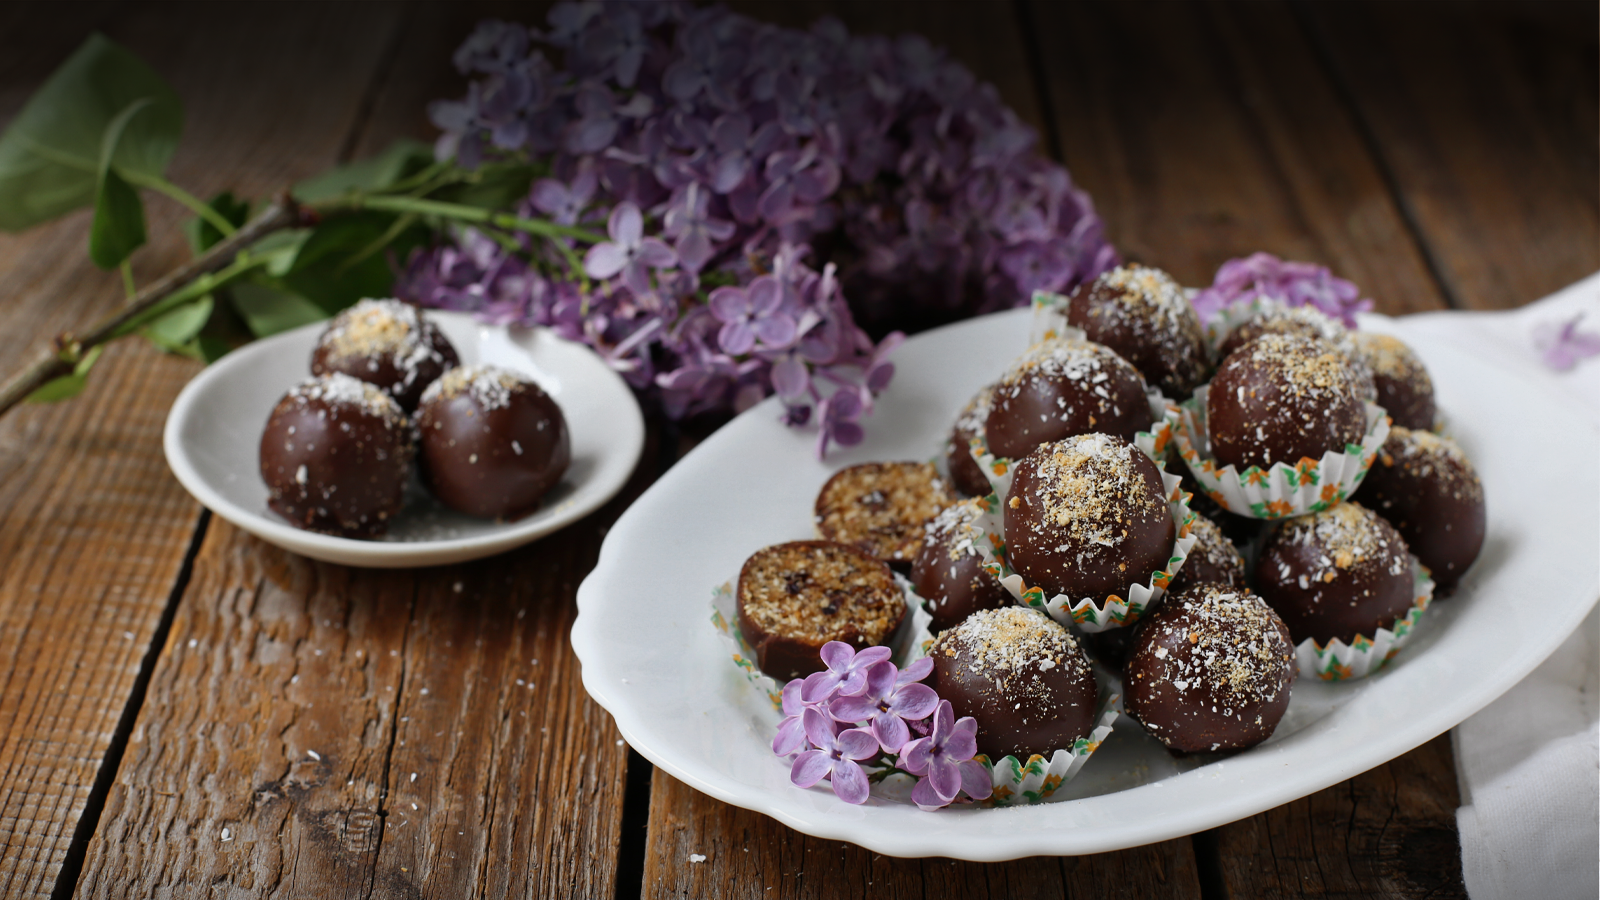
{"x":178,"y":327}
{"x":399,"y":160}
{"x":280,"y":249}
{"x":267,"y":310}
{"x":69,"y":385}
{"x":118,"y":227}
{"x":49,"y":156}
{"x":203,"y":235}
{"x":325,"y":270}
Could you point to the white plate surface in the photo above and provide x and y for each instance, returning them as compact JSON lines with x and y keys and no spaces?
{"x":213,"y":439}
{"x":651,"y":657}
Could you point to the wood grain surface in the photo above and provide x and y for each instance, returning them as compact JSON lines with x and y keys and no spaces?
{"x":262,"y":725}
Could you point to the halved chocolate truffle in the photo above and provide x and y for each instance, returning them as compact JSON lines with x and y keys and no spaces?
{"x":1212,"y":558}
{"x":795,"y":597}
{"x":1064,"y":387}
{"x":948,"y":572}
{"x":1338,"y":573}
{"x":1022,"y":676}
{"x":493,"y":443}
{"x":387,"y":343}
{"x":881,"y":507}
{"x":335,"y":456}
{"x":1087,"y":517}
{"x":1210,"y":670}
{"x":964,"y":470}
{"x":1282,"y":398}
{"x":1427,"y":488}
{"x":1404,"y":389}
{"x":1144,"y":315}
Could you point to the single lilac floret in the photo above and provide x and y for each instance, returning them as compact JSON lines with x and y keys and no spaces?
{"x":846,"y":674}
{"x":945,"y":758}
{"x":835,"y":758}
{"x":1562,"y":345}
{"x":791,"y":737}
{"x":886,"y":706}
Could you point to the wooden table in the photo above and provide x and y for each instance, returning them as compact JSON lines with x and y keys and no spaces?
{"x":186,"y":711}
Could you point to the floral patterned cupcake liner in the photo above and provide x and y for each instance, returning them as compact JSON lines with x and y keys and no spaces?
{"x":1050,"y":319}
{"x":909,"y":643}
{"x":1084,"y":612}
{"x":1284,"y":490}
{"x":1339,"y":661}
{"x":1019,"y":783}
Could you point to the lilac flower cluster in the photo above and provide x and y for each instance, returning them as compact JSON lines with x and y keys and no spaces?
{"x":748,"y":178}
{"x":1290,"y":283}
{"x":862,"y":708}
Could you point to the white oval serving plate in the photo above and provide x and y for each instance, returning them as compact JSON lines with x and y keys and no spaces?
{"x":652,"y":658}
{"x":213,"y":439}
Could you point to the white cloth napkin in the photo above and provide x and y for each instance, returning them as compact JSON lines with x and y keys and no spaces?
{"x":1529,"y":763}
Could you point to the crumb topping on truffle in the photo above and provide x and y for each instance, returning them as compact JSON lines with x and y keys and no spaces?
{"x":373,"y":328}
{"x":1011,"y":640}
{"x":1223,"y":640}
{"x":1345,"y":536}
{"x":491,"y":387}
{"x":338,"y":389}
{"x":955,"y":527}
{"x":1089,"y":488}
{"x":1084,"y":362}
{"x":1425,"y":455}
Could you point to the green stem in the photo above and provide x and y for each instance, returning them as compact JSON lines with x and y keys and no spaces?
{"x":128,"y":287}
{"x":463,"y":213}
{"x":195,"y":204}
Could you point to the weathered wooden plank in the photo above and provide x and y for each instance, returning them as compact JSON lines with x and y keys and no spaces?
{"x":1389,"y":832}
{"x":1486,"y":116}
{"x":749,"y":855}
{"x":1205,"y":132}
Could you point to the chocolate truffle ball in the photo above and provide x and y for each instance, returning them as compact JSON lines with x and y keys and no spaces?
{"x":1403,"y":387}
{"x":948,"y":572}
{"x":1144,"y":316}
{"x":1306,"y":321}
{"x":1338,"y":573}
{"x":1022,"y":676}
{"x":1064,"y":387}
{"x":493,"y":443}
{"x":795,"y":597}
{"x":1427,"y":488}
{"x":1087,"y":517}
{"x":335,"y":456}
{"x":964,"y":470}
{"x":1210,"y":670}
{"x":1212,"y":558}
{"x":387,"y":343}
{"x":1282,"y":398}
{"x":881,"y":508}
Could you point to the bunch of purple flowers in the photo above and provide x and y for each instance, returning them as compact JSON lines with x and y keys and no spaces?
{"x":863,"y":709}
{"x":1262,"y":275}
{"x":748,"y":179}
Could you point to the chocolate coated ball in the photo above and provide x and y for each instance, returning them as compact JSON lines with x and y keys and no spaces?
{"x":1144,"y":316}
{"x":335,"y":456}
{"x":948,"y":572}
{"x":1282,"y":398}
{"x":1404,"y":389}
{"x":1087,"y":517}
{"x":1022,"y":676}
{"x":387,"y":343}
{"x":493,"y":443}
{"x":964,"y":470}
{"x":1338,"y":573}
{"x":1427,"y":488}
{"x":1210,"y":670}
{"x":1064,"y":387}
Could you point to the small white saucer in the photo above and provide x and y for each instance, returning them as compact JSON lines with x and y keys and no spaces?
{"x":213,"y":439}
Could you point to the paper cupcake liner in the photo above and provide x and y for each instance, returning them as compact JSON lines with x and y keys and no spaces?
{"x":1342,"y":662}
{"x":1084,"y":612}
{"x":909,"y":643}
{"x":1050,"y":319}
{"x":1018,"y":783}
{"x":1284,"y":490}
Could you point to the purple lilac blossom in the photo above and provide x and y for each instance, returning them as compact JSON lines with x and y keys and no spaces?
{"x":1561,"y":345}
{"x":946,"y":758}
{"x":846,"y":674}
{"x":887,"y":706}
{"x":837,"y":750}
{"x":715,"y":150}
{"x":1262,"y":275}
